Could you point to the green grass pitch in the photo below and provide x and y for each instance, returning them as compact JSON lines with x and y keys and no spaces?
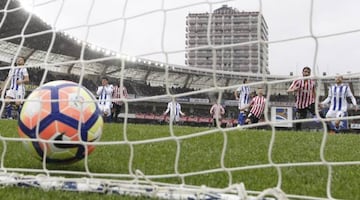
{"x":204,"y":152}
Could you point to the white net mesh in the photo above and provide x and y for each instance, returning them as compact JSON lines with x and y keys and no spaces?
{"x":142,"y":45}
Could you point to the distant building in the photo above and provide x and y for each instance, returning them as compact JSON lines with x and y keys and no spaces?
{"x":228,"y":27}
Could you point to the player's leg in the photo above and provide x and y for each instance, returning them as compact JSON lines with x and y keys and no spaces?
{"x":176,"y":120}
{"x":331,"y":125}
{"x":10,"y":95}
{"x":296,"y":117}
{"x":339,"y":116}
{"x":117,"y":111}
{"x":249,"y":118}
{"x":242,"y":115}
{"x":19,"y":106}
{"x":241,"y":118}
{"x":103,"y":111}
{"x":245,"y":114}
{"x":112,"y":116}
{"x":17,"y":109}
{"x":9,"y":110}
{"x":20,"y":96}
{"x":300,"y":114}
{"x":255,"y":120}
{"x":311,"y":109}
{"x":107,"y":111}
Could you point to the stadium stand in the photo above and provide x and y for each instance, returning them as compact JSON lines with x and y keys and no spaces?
{"x":142,"y":77}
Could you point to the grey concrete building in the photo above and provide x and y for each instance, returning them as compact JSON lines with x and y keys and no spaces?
{"x":237,"y":39}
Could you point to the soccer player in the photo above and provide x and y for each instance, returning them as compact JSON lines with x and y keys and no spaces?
{"x":175,"y":111}
{"x":18,"y":77}
{"x":338,"y":105}
{"x":257,"y":105}
{"x":304,"y":90}
{"x":242,"y":94}
{"x":118,"y":92}
{"x":216,"y":111}
{"x":105,"y":92}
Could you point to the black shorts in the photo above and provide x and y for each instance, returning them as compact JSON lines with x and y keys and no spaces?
{"x":253,"y":118}
{"x":302,"y":113}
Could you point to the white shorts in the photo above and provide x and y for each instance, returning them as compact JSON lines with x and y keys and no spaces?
{"x":335,"y":114}
{"x":175,"y":118}
{"x":105,"y":108}
{"x":15,"y":94}
{"x":242,"y":106}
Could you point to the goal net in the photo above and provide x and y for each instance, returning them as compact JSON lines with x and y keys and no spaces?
{"x":197,"y":54}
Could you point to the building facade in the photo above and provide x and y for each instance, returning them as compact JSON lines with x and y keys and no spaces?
{"x":231,"y":40}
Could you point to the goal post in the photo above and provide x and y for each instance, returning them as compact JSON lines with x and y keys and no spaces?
{"x":195,"y":53}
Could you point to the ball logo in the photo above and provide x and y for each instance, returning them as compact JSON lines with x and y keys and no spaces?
{"x":62,"y":138}
{"x":76,"y":101}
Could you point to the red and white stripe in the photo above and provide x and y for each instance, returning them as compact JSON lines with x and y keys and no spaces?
{"x":257,"y":105}
{"x":119,"y":93}
{"x":305,"y":94}
{"x":217,"y":110}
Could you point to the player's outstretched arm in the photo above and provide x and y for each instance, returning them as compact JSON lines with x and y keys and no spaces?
{"x":328,"y":99}
{"x":236,"y":94}
{"x":350,"y":94}
{"x":293,"y":87}
{"x":167,"y":109}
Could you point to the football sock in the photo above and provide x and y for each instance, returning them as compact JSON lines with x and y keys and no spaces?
{"x":19,"y":108}
{"x":241,"y":118}
{"x":8,"y":110}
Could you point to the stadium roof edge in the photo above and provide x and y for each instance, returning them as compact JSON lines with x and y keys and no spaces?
{"x":38,"y":36}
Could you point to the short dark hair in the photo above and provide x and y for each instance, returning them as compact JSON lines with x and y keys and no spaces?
{"x":308,"y":68}
{"x":116,"y":83}
{"x":16,"y":58}
{"x":20,"y":57}
{"x":245,"y":79}
{"x":104,"y":78}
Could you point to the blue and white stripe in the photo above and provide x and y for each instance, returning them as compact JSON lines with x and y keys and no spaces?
{"x":244,"y":95}
{"x":337,"y":97}
{"x":15,"y":75}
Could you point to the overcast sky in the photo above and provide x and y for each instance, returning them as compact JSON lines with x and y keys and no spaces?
{"x":153,"y":27}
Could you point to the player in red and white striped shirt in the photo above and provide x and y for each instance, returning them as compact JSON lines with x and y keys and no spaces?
{"x":304,"y":90}
{"x":118,"y":93}
{"x":257,"y":105}
{"x":217,"y":111}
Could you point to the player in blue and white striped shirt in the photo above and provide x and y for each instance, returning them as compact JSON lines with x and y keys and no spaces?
{"x":242,"y":94}
{"x":338,"y":105}
{"x":175,"y":111}
{"x":18,"y":77}
{"x":104,"y":93}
